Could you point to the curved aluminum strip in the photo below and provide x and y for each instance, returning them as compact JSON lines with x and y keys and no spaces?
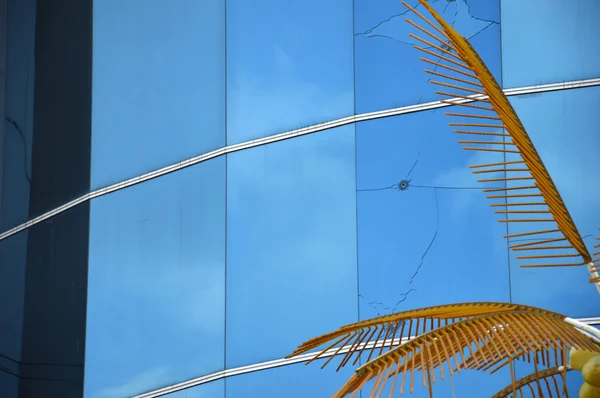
{"x":284,"y":136}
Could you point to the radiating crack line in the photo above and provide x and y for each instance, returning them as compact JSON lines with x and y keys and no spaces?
{"x":437,"y":227}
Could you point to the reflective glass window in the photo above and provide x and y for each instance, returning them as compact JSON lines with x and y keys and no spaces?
{"x":42,"y":287}
{"x":564,"y":127}
{"x":289,"y":65}
{"x":158,"y":84}
{"x":389,"y":73}
{"x":291,"y":244}
{"x":13,"y":257}
{"x":293,"y":381}
{"x":17,"y":118}
{"x":156,"y":283}
{"x":426,"y":233}
{"x":549,"y":43}
{"x":3,"y":57}
{"x":302,"y":381}
{"x":9,"y":385}
{"x":214,"y":389}
{"x":15,"y":168}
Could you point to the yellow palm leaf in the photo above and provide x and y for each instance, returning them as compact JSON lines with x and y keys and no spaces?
{"x":476,"y":343}
{"x":594,"y":266}
{"x":388,"y":330}
{"x":538,"y":383}
{"x":471,"y":82}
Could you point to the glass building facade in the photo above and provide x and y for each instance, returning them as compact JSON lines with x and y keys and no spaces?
{"x":189,"y":189}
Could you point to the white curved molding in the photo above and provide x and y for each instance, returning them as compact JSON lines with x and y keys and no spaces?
{"x":284,"y":136}
{"x":586,"y":328}
{"x":584,"y":324}
{"x":264,"y":365}
{"x":593,"y":273}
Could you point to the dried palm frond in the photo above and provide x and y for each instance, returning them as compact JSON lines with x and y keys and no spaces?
{"x":536,"y":199}
{"x":594,"y":265}
{"x":389,"y":330}
{"x":542,"y":383}
{"x":479,"y":343}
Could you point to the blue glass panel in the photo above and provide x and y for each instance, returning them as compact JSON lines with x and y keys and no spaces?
{"x":289,"y":65}
{"x":468,"y":383}
{"x":158,"y":84}
{"x":574,"y":382}
{"x":214,"y":389}
{"x":424,"y":246}
{"x":303,"y":381}
{"x":291,"y":244}
{"x":551,"y":42}
{"x":564,"y":128}
{"x":293,"y":381}
{"x":388,"y":70}
{"x":156,"y":283}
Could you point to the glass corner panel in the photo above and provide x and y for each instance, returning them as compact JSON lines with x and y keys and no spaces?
{"x":156,"y":283}
{"x":291,"y":244}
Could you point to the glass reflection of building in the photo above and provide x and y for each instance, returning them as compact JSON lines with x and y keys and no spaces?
{"x":206,"y":273}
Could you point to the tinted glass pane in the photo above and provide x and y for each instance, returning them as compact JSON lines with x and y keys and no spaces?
{"x":3,"y":56}
{"x":564,"y":128}
{"x":17,"y":120}
{"x":388,"y":70}
{"x":289,"y":65}
{"x":435,"y":242}
{"x":156,"y":283}
{"x":291,"y":244}
{"x":159,"y":84}
{"x":9,"y":385}
{"x":553,"y":42}
{"x":13,"y":257}
{"x":294,"y":381}
{"x":43,"y":273}
{"x":214,"y":389}
{"x":18,"y":21}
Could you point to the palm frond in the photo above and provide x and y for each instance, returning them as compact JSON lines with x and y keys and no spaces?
{"x":594,"y":265}
{"x":467,"y":82}
{"x":475,"y":343}
{"x":543,"y":383}
{"x":389,"y":330}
